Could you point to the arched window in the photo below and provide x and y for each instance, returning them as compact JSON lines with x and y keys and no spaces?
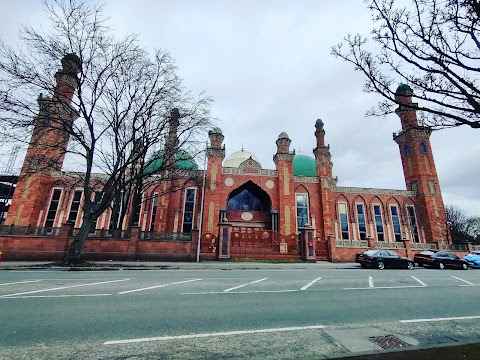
{"x":407,"y":150}
{"x":302,"y":210}
{"x":343,"y":216}
{"x":423,"y":147}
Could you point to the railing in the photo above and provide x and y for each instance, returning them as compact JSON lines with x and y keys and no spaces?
{"x":29,"y":230}
{"x":164,"y":236}
{"x":351,"y":243}
{"x":423,"y":246}
{"x":456,"y":247}
{"x":105,"y":234}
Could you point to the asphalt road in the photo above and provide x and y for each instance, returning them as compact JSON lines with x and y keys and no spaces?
{"x":234,"y":314}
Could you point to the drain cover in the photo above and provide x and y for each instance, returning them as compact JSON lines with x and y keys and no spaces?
{"x":388,"y":342}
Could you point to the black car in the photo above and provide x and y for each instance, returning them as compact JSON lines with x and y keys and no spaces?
{"x":440,"y":259}
{"x":382,"y":259}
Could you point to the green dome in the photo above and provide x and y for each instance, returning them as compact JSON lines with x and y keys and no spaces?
{"x":304,"y":166}
{"x":183,"y":161}
{"x":404,"y":90}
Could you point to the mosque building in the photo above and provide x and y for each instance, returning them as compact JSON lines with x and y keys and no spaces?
{"x":238,"y":209}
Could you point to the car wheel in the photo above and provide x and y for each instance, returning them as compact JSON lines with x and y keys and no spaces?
{"x":441,"y":266}
{"x":465,"y":266}
{"x":410,"y":265}
{"x":380,"y":265}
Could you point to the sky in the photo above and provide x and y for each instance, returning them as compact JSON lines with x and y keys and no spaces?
{"x":268,"y":66}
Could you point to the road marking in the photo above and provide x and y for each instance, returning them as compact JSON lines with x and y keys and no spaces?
{"x":239,"y":292}
{"x":370,"y":281}
{"x":213,"y":334}
{"x":240,"y":286}
{"x":465,"y":281}
{"x":310,"y":283}
{"x":54,"y":296}
{"x":440,"y":319}
{"x":157,"y":286}
{"x":385,"y":287}
{"x":20,"y":282}
{"x":419,"y":281}
{"x":63,"y":287}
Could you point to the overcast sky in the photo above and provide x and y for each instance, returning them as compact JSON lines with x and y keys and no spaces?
{"x":268,"y":66}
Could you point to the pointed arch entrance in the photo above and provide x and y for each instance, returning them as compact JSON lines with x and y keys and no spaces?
{"x":249,"y":206}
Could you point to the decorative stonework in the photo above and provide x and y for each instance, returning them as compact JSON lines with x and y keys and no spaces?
{"x":306,"y":179}
{"x":250,"y":167}
{"x":213,"y":177}
{"x":236,"y":171}
{"x":269,"y":184}
{"x":27,"y":188}
{"x":287,"y":219}
{"x":212,"y":151}
{"x":373,"y":191}
{"x":286,"y":182}
{"x":409,"y":134}
{"x":211,"y":211}
{"x":246,"y":216}
{"x":427,"y":166}
{"x":229,"y":182}
{"x":283,"y":156}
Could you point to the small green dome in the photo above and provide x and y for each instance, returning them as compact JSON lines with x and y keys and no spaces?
{"x":404,"y":90}
{"x":304,"y":166}
{"x":183,"y":161}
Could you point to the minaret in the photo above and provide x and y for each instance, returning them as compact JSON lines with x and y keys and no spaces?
{"x":419,"y":168}
{"x":213,"y":177}
{"x":323,"y":160}
{"x":286,"y":192}
{"x":47,"y":147}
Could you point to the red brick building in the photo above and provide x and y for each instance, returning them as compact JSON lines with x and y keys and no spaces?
{"x":243,"y":210}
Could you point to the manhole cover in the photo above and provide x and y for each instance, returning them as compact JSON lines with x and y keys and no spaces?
{"x":388,"y":342}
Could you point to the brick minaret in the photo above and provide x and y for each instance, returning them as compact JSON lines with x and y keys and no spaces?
{"x":286,"y":191}
{"x":323,"y":159}
{"x":47,"y":147}
{"x":214,"y":200}
{"x":419,"y":168}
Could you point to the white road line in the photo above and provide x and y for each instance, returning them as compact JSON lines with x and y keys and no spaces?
{"x":240,"y":286}
{"x":239,"y":292}
{"x":20,"y":282}
{"x":310,"y":283}
{"x":385,"y":287}
{"x":370,"y":281}
{"x":214,"y":334}
{"x":465,"y":281}
{"x":440,"y":319}
{"x":63,"y":287}
{"x":419,"y":281}
{"x":157,"y":286}
{"x":54,"y":296}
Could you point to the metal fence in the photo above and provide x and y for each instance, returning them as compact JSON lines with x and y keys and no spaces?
{"x":105,"y":234}
{"x":29,"y":230}
{"x":164,"y":236}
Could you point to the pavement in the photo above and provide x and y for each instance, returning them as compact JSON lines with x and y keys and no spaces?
{"x":165,"y":265}
{"x":461,"y":351}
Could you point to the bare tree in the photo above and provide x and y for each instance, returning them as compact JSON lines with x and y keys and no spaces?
{"x":463,"y":228}
{"x":111,"y":107}
{"x":434,"y":47}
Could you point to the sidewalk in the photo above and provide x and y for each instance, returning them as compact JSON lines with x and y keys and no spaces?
{"x":164,"y":265}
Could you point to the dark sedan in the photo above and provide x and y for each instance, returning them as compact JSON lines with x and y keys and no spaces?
{"x":440,"y":259}
{"x":382,"y":259}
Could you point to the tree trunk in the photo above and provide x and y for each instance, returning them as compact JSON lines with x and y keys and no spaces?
{"x":73,"y":254}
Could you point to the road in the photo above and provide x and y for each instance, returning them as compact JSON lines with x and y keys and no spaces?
{"x":234,"y":314}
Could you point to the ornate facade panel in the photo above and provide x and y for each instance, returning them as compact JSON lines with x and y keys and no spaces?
{"x":373,"y":191}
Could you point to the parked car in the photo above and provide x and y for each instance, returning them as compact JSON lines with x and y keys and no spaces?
{"x":473,"y":259}
{"x":382,"y":259}
{"x":423,"y":257}
{"x":440,"y":259}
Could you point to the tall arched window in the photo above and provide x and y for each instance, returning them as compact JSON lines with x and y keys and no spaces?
{"x":343,"y":216}
{"x":423,"y":147}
